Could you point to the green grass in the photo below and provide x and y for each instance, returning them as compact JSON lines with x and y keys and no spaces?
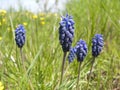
{"x":43,"y":55}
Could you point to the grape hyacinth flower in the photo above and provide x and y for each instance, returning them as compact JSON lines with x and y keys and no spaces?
{"x":79,"y":51}
{"x":20,"y":40}
{"x":81,"y":54}
{"x":97,"y":46}
{"x":20,"y":36}
{"x":66,"y":34}
{"x":72,"y":54}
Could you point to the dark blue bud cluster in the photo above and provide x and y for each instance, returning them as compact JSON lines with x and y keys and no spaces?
{"x":97,"y":44}
{"x":80,"y":50}
{"x":20,"y":36}
{"x":66,"y":32}
{"x":72,"y":54}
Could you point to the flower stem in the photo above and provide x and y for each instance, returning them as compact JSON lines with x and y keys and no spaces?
{"x":22,"y":59}
{"x":79,"y":69}
{"x":90,"y":72}
{"x":36,"y":33}
{"x":62,"y":69}
{"x":25,"y":68}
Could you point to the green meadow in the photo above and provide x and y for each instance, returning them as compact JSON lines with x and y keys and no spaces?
{"x":42,"y":52}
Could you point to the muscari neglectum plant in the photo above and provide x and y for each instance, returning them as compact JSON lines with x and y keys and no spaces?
{"x":97,"y":46}
{"x":80,"y":50}
{"x":20,"y":39}
{"x":20,"y":35}
{"x":66,"y":34}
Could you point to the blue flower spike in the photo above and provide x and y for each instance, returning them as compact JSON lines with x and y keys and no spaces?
{"x":81,"y":53}
{"x":81,"y":50}
{"x":72,"y":54}
{"x":66,"y":35}
{"x":66,"y":32}
{"x":97,"y":44}
{"x":20,"y":41}
{"x":20,"y":36}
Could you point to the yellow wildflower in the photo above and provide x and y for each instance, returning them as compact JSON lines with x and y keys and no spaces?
{"x":0,"y":38}
{"x":42,"y":22}
{"x":0,"y":24}
{"x":3,"y":12}
{"x":35,"y":16}
{"x":8,"y":28}
{"x":42,"y":18}
{"x":25,"y":23}
{"x":55,"y":15}
{"x":3,"y":20}
{"x":1,"y":86}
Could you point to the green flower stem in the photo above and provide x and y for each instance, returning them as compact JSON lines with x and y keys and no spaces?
{"x":36,"y":32}
{"x":90,"y":72}
{"x":22,"y":59}
{"x":25,"y":68}
{"x":79,"y":69}
{"x":62,"y":69}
